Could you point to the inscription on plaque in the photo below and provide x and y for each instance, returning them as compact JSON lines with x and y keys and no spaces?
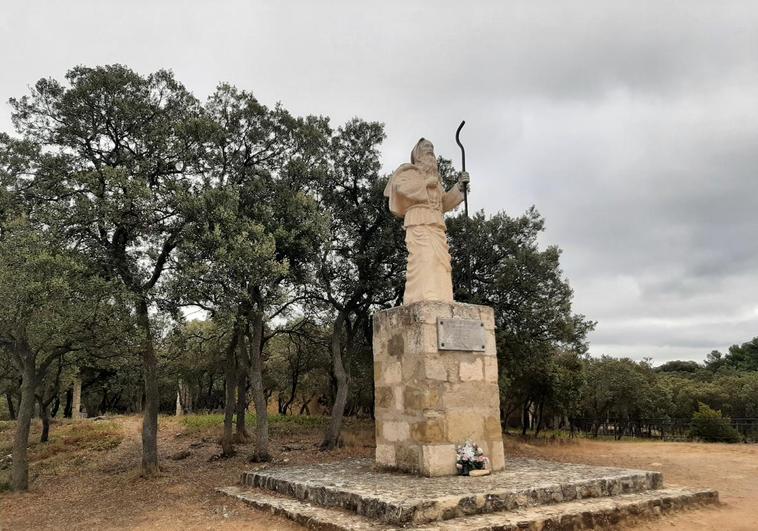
{"x":460,"y":334}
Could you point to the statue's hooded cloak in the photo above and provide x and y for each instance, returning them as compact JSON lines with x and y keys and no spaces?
{"x":416,"y":194}
{"x":408,"y":188}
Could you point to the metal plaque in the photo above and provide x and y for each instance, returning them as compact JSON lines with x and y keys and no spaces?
{"x":460,"y":334}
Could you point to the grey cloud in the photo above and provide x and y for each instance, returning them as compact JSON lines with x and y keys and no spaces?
{"x":632,"y":127}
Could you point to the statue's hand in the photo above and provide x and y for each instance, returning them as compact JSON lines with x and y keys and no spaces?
{"x":463,"y":180}
{"x":432,"y":181}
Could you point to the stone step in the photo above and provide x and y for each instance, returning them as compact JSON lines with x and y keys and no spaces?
{"x":591,"y":513}
{"x":402,"y":499}
{"x":304,"y":513}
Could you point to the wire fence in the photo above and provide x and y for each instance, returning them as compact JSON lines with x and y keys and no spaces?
{"x":666,"y":429}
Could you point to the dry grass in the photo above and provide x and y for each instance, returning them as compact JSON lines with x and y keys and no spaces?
{"x":103,"y":489}
{"x":71,"y":443}
{"x":78,"y":437}
{"x":277,"y":425}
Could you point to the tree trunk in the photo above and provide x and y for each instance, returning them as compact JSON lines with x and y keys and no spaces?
{"x":20,"y":466}
{"x":230,"y":384}
{"x":210,"y":403}
{"x":243,"y":368}
{"x":186,"y":397}
{"x":261,"y":453}
{"x":539,"y":421}
{"x":76,"y":405}
{"x":45,"y":416}
{"x":56,"y":406}
{"x":69,"y":403}
{"x":293,"y":393}
{"x":525,"y":417}
{"x":179,"y":411}
{"x":595,"y":427}
{"x":304,"y":408}
{"x":152,"y":399}
{"x":11,"y":409}
{"x":338,"y":410}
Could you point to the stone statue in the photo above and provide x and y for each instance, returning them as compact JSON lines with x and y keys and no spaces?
{"x":416,"y":194}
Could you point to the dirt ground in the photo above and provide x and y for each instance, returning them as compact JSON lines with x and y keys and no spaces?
{"x":103,"y":489}
{"x":100,"y":488}
{"x":732,"y":469}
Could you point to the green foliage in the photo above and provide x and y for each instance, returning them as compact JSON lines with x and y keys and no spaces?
{"x":257,"y":225}
{"x":740,"y":357}
{"x":298,"y":364}
{"x":709,"y":425}
{"x":532,"y":302}
{"x":363,"y":260}
{"x":110,"y":165}
{"x":54,"y":302}
{"x":123,"y":193}
{"x":202,"y":422}
{"x":677,"y":366}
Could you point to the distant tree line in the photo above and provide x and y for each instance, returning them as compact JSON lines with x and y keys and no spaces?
{"x":716,"y":400}
{"x":163,"y":254}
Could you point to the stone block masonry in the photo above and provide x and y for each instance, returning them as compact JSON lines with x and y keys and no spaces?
{"x":428,"y":400}
{"x":530,"y":494}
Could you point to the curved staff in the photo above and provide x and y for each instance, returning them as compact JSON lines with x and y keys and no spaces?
{"x":463,"y":165}
{"x":465,"y":206}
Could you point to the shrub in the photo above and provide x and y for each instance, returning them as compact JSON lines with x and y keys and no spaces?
{"x":709,"y":425}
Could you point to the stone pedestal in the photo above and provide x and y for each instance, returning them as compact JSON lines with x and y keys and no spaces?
{"x":428,"y":400}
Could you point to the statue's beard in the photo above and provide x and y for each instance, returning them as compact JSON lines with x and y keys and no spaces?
{"x":428,"y":164}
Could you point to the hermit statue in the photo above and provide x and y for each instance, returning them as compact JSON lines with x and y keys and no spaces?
{"x":416,"y":194}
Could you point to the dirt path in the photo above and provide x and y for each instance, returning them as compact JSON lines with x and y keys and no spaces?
{"x":731,"y":469}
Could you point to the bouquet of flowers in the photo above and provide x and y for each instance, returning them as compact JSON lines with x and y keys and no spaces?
{"x":470,"y":457}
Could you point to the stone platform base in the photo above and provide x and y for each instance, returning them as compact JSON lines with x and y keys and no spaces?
{"x":530,"y":494}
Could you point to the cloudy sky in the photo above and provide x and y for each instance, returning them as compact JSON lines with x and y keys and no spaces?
{"x":634,"y":130}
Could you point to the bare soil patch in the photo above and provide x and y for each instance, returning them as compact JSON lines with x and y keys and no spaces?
{"x":88,"y":477}
{"x":732,"y":469}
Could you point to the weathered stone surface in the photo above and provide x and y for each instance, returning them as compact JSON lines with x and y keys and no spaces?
{"x":425,"y":396}
{"x":436,"y":459}
{"x":434,"y":369}
{"x":396,"y":498}
{"x":429,"y":431}
{"x":497,"y":453}
{"x":471,"y":371}
{"x":384,"y":397}
{"x":385,"y":455}
{"x":419,"y":399}
{"x":395,"y":431}
{"x":463,"y":395}
{"x":591,"y":513}
{"x":490,"y":370}
{"x":408,"y":457}
{"x":392,"y":373}
{"x":492,"y":429}
{"x":465,"y":424}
